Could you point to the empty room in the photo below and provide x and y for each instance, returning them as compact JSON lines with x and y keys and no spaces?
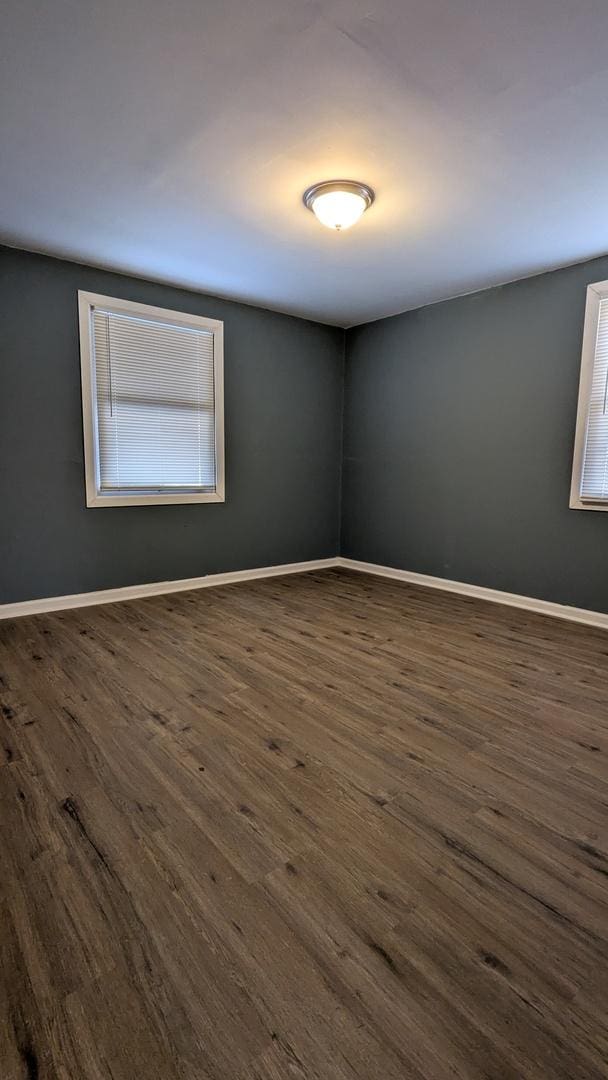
{"x":303,"y":540}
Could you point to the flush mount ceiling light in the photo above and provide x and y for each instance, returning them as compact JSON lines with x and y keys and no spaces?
{"x":338,"y":203}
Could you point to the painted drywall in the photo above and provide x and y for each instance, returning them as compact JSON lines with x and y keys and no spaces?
{"x":457,"y":446}
{"x":459,"y":424}
{"x":283,"y":400}
{"x":176,"y":139}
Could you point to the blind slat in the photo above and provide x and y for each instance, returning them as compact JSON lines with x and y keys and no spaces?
{"x":155,"y":404}
{"x":594,"y":481}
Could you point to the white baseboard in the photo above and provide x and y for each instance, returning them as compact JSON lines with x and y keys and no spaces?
{"x":157,"y":588}
{"x":495,"y":596}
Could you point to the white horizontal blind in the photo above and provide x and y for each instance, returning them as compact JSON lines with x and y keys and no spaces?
{"x":155,"y":405}
{"x":594,"y":482}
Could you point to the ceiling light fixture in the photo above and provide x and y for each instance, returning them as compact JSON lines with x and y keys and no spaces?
{"x":338,"y":203}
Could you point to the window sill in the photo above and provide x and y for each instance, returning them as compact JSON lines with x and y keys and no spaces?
{"x":170,"y":499}
{"x":578,"y":504}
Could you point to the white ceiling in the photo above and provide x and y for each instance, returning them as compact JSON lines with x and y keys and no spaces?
{"x":174,"y":139}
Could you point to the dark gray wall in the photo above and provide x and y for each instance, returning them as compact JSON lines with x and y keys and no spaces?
{"x":458,"y":436}
{"x":283,"y":390}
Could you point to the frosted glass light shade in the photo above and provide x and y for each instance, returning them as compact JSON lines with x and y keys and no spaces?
{"x":338,"y":204}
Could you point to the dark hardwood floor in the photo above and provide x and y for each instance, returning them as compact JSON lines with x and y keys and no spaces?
{"x":324,"y":826}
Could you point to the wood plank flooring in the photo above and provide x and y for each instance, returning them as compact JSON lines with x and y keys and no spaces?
{"x":324,"y":827}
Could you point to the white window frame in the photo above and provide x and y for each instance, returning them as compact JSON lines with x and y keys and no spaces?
{"x":595,"y":292}
{"x":87,"y":302}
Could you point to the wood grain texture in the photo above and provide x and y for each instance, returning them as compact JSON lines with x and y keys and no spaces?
{"x":319,"y":827}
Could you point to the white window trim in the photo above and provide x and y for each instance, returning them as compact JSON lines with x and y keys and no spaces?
{"x":86,"y":303}
{"x":595,"y":292}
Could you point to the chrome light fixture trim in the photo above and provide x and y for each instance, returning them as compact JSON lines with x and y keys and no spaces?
{"x":363,"y":193}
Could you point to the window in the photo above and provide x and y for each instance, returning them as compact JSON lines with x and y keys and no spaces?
{"x":153,"y":404}
{"x":590,"y":472}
